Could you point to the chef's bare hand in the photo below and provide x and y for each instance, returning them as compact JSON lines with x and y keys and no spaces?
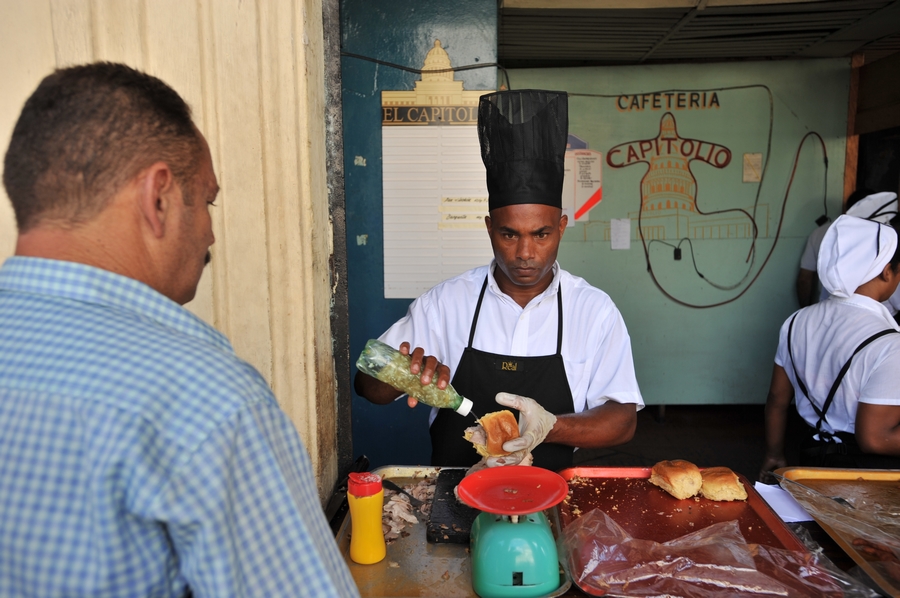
{"x":427,"y":367}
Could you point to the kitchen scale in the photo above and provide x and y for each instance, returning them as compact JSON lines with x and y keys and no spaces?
{"x":512,"y":546}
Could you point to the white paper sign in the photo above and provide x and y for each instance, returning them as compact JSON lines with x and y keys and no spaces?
{"x":752,"y":172}
{"x":435,"y":201}
{"x":582,"y":186}
{"x":463,"y":213}
{"x":620,"y":233}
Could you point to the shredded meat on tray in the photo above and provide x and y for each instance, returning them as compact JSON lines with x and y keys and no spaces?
{"x":398,"y":511}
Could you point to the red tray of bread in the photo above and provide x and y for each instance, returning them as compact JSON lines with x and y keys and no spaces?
{"x":648,"y":512}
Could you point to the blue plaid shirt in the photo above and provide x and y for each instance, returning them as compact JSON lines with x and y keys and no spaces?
{"x":139,"y":456}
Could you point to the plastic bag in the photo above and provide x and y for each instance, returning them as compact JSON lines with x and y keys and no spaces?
{"x":603,"y":559}
{"x":872,"y":529}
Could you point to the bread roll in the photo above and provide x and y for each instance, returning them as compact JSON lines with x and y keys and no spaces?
{"x":720,"y":483}
{"x":495,"y":429}
{"x":679,"y":478}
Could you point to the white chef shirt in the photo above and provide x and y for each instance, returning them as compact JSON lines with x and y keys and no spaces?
{"x":810,"y":258}
{"x":596,"y":348}
{"x":824,"y":337}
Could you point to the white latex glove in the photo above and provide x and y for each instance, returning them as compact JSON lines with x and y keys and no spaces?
{"x":535,"y":422}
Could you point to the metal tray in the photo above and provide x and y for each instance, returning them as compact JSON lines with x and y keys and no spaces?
{"x":413,"y":566}
{"x":650,"y":513}
{"x":864,"y":489}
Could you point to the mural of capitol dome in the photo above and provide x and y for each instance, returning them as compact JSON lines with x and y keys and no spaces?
{"x":669,"y":183}
{"x":437,"y":87}
{"x":669,"y":188}
{"x":437,"y":59}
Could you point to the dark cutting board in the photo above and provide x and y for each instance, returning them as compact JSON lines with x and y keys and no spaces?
{"x":450,"y":520}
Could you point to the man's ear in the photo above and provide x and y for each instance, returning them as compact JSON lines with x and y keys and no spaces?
{"x":487,"y":223}
{"x":157,"y":190}
{"x":563,"y":223}
{"x":890,"y":274}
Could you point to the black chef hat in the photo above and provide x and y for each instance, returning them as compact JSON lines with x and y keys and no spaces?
{"x":523,"y":136}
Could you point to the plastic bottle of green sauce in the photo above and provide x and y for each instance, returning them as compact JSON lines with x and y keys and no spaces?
{"x":389,"y":365}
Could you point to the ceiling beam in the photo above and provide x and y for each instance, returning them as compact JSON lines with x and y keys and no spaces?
{"x":681,"y":23}
{"x":855,"y":36}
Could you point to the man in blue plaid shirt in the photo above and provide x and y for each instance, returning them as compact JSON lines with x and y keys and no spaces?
{"x":139,"y":456}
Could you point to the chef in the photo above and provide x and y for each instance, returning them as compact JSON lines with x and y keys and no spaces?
{"x":838,"y":359}
{"x":521,"y":331}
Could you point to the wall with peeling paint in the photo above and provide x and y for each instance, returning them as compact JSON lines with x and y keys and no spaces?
{"x":253,"y":73}
{"x":399,"y":32}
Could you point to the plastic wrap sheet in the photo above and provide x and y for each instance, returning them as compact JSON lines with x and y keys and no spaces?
{"x":872,"y":531}
{"x":603,"y":559}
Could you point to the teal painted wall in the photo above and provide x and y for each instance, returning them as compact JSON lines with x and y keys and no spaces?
{"x":399,"y":32}
{"x":724,"y":354}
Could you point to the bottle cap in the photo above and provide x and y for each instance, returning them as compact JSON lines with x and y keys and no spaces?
{"x":465,"y":407}
{"x":364,"y":484}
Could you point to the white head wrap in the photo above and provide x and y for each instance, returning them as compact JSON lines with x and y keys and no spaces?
{"x":853,"y":252}
{"x":880,"y":207}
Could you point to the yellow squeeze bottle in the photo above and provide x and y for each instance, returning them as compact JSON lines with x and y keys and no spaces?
{"x":366,"y":498}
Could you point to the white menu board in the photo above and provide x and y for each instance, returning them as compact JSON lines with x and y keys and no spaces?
{"x":435,"y":201}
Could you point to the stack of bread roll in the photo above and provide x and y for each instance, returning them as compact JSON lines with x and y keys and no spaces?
{"x":682,"y":479}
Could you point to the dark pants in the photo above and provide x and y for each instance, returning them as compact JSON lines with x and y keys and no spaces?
{"x":844,"y":455}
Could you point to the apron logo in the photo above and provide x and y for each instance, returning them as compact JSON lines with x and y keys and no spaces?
{"x":509,"y":366}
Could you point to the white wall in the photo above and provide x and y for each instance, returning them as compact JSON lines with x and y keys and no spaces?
{"x":253,"y":72}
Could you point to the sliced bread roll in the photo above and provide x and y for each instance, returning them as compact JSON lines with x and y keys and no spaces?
{"x":678,"y":477}
{"x":494,"y":429}
{"x":720,"y":483}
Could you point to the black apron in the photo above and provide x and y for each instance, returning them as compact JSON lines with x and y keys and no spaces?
{"x":481,"y":375}
{"x":820,"y":448}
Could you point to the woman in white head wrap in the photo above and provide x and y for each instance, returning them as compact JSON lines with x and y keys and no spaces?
{"x":863,"y":203}
{"x":839,"y":360}
{"x":853,"y":252}
{"x":881,"y":207}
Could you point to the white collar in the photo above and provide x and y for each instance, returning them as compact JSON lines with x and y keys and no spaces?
{"x":550,"y":291}
{"x":869,"y":304}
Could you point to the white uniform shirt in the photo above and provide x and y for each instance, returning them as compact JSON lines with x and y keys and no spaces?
{"x":810,"y":256}
{"x":596,"y":348}
{"x":824,"y":336}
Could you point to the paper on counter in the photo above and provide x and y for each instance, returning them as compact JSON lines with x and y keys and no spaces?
{"x":781,"y":501}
